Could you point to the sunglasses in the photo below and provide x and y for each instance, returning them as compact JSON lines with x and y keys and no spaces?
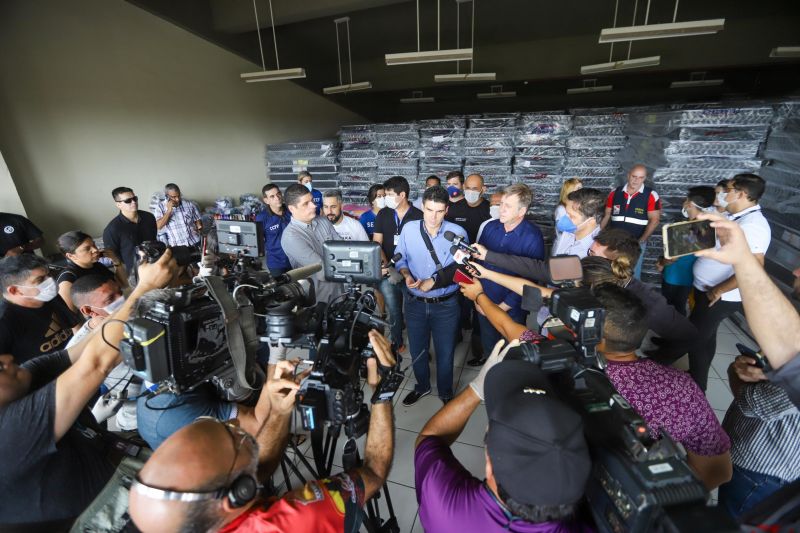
{"x":129,"y":200}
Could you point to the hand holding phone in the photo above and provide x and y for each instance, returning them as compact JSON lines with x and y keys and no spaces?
{"x":461,"y":277}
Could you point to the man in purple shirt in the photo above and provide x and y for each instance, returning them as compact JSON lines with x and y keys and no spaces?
{"x":537,"y":460}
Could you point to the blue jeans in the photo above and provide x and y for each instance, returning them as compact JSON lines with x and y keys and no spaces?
{"x":746,"y":489}
{"x":441,"y":321}
{"x":637,"y":271}
{"x":393,"y":298}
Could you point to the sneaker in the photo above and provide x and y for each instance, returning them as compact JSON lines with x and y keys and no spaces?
{"x":414,"y":396}
{"x":476,"y":361}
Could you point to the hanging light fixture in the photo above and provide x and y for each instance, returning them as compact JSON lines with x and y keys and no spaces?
{"x":590,"y":86}
{"x":496,"y":91}
{"x":628,"y":63}
{"x":433,"y":56}
{"x":696,"y":79}
{"x":471,"y":75}
{"x":270,"y":75}
{"x":661,"y":31}
{"x":343,"y":87}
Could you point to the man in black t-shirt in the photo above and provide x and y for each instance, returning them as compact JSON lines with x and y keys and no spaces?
{"x":34,"y":320}
{"x":473,"y":210}
{"x":128,"y":229}
{"x":19,"y":235}
{"x":388,"y":223}
{"x":54,"y":461}
{"x":470,"y":213}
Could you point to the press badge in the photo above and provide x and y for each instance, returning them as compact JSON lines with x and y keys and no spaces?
{"x":396,"y":240}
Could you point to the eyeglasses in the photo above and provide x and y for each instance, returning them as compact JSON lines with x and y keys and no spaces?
{"x":130,"y":200}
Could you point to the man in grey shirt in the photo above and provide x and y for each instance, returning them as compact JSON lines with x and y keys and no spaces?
{"x":303,"y":237}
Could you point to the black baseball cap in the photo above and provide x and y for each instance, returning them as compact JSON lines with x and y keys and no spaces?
{"x":535,"y":441}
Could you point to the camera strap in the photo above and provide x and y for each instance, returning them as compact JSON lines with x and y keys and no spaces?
{"x":240,"y":340}
{"x":429,"y":244}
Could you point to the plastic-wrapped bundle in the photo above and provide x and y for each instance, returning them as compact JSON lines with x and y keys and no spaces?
{"x":489,"y":161}
{"x":570,"y":170}
{"x":614,"y":119}
{"x":590,"y":131}
{"x":399,"y":128}
{"x":356,"y":155}
{"x":224,"y":202}
{"x":529,"y":175}
{"x":539,"y":161}
{"x":397,"y":144}
{"x":715,"y":163}
{"x":499,"y":146}
{"x":490,"y":133}
{"x":442,"y":124}
{"x":747,"y":133}
{"x":545,"y":124}
{"x":493,"y":122}
{"x":697,"y":176}
{"x":615,"y":141}
{"x":355,"y":178}
{"x":592,"y":152}
{"x":538,"y":139}
{"x":653,"y":124}
{"x":731,"y":116}
{"x":602,"y":183}
{"x":729,"y":149}
{"x":320,"y":148}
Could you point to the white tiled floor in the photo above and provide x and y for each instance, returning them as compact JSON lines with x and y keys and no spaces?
{"x":469,"y":447}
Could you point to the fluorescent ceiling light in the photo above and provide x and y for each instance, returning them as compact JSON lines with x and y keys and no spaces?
{"x":455,"y":78}
{"x":661,"y":31}
{"x":274,"y":75}
{"x":496,"y":91}
{"x":418,"y":100}
{"x":785,"y":51}
{"x":695,"y":83}
{"x":433,"y":56}
{"x":625,"y":64}
{"x":591,"y":89}
{"x":336,"y":89}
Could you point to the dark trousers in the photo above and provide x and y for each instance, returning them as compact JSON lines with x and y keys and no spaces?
{"x":746,"y":489}
{"x":438,"y":321}
{"x":702,"y":348}
{"x":676,"y":295}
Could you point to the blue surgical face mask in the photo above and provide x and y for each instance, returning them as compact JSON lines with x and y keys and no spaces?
{"x":453,"y":191}
{"x":566,"y":224}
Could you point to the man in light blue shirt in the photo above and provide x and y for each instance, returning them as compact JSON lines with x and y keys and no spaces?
{"x":431,"y":306}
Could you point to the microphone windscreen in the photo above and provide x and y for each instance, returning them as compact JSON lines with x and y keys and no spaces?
{"x":449,"y":235}
{"x":303,"y":272}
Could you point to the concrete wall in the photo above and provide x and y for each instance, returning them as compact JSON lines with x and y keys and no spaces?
{"x":99,"y":93}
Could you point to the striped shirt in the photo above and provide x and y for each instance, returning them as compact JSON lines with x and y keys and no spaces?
{"x":764,"y":427}
{"x":180,"y":229}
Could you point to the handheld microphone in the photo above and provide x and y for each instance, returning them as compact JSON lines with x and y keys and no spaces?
{"x":459,"y":255}
{"x":458,"y":241}
{"x":395,"y":258}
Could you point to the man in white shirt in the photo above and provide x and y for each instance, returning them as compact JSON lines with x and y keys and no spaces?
{"x":715,"y":288}
{"x":348,"y":228}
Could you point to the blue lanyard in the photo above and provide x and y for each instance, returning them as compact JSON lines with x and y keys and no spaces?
{"x":397,"y":223}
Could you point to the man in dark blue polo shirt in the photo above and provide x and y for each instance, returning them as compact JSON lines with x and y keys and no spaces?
{"x":431,"y":305}
{"x":305,"y":179}
{"x":510,"y":234}
{"x":130,"y":228}
{"x":635,"y":208}
{"x":274,"y":219}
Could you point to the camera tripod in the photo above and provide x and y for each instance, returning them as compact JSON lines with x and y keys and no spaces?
{"x":323,"y":446}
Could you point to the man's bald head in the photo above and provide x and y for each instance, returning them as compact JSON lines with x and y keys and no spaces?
{"x":636,"y":176}
{"x":197,"y":458}
{"x":473,"y":181}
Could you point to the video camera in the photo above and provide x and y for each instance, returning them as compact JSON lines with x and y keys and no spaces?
{"x":638,"y":483}
{"x":206,"y":331}
{"x":331,"y":394}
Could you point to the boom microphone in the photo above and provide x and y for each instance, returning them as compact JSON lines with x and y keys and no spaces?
{"x":458,"y":240}
{"x":299,"y":273}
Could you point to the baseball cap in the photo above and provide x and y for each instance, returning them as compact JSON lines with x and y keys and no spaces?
{"x":535,"y":441}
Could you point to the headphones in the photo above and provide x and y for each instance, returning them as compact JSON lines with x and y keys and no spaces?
{"x":242,"y":491}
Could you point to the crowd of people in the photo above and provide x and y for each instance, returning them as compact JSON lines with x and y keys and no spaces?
{"x":63,"y":383}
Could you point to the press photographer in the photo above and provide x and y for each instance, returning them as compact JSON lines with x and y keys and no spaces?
{"x":207,"y":476}
{"x":43,"y":412}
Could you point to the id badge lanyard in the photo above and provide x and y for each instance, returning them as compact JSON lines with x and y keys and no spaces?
{"x":397,"y":222}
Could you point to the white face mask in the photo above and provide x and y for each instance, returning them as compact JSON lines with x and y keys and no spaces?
{"x":114,"y":306}
{"x":472,"y":196}
{"x":380,"y":202}
{"x":47,"y":290}
{"x":721,"y":201}
{"x":494,"y":211}
{"x":391,"y":202}
{"x":308,"y":186}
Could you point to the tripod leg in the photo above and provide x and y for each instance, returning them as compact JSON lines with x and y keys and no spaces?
{"x":284,"y":459}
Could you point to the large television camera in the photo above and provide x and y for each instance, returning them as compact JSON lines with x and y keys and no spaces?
{"x":207,"y":331}
{"x":331,"y":394}
{"x":638,"y":483}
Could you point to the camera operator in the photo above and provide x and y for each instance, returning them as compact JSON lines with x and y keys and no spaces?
{"x":771,"y":316}
{"x":189,"y":483}
{"x":615,"y":245}
{"x":764,"y":426}
{"x":161,"y":415}
{"x":537,"y":460}
{"x":664,"y":396}
{"x":54,"y":453}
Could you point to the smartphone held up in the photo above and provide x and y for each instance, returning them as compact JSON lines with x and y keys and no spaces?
{"x":685,"y":238}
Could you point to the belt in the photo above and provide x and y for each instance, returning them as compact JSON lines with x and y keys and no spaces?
{"x":434,"y":300}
